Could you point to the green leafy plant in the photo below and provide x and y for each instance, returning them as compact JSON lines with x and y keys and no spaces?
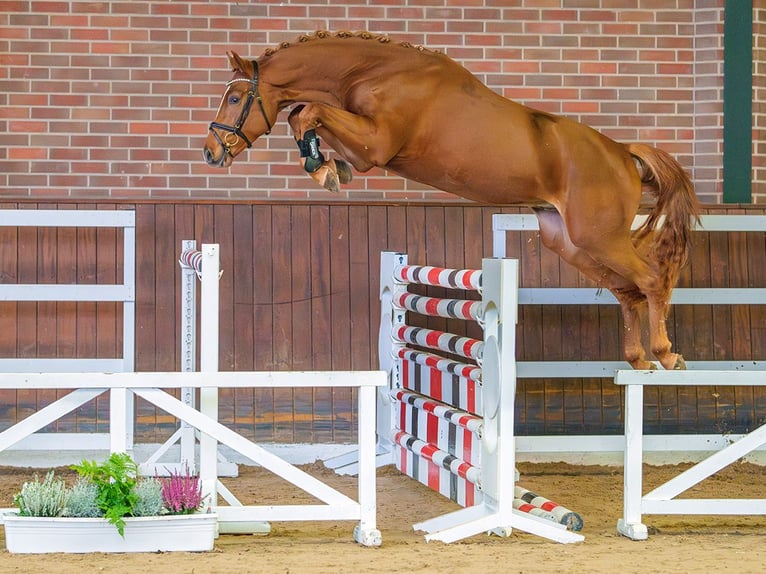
{"x":115,"y":479}
{"x":42,"y":498}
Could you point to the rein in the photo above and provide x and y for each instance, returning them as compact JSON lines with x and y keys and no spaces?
{"x":235,"y":132}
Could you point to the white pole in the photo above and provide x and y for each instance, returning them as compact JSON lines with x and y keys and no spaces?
{"x":209,"y":363}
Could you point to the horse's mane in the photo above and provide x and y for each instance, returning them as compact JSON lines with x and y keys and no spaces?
{"x":322,"y":34}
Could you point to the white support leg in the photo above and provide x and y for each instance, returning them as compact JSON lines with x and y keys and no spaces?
{"x":366,"y":532}
{"x":630,"y":524}
{"x":119,"y":439}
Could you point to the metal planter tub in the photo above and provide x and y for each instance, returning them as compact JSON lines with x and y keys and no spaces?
{"x":37,"y":535}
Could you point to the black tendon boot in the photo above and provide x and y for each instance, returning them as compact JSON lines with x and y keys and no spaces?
{"x":309,"y":147}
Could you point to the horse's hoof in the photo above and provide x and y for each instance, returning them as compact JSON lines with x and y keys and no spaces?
{"x":643,"y":365}
{"x":680,"y":364}
{"x":344,"y":171}
{"x":330,"y":182}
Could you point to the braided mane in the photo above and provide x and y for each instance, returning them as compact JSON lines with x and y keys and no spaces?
{"x":322,"y":34}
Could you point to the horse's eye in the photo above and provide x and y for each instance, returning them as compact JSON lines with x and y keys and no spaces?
{"x":233,"y":100}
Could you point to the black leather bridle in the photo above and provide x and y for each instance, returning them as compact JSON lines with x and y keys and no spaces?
{"x":233,"y":133}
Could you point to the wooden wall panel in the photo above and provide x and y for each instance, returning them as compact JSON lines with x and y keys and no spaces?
{"x":299,"y":291}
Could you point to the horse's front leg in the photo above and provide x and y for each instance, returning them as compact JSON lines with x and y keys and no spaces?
{"x":354,"y":137}
{"x":327,"y":173}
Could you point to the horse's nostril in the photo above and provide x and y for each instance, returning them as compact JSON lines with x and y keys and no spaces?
{"x":208,"y":155}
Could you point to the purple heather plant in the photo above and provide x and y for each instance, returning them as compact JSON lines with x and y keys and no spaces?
{"x":182,"y":493}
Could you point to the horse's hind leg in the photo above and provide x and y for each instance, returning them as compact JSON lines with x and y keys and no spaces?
{"x":632,"y":302}
{"x":611,"y":245}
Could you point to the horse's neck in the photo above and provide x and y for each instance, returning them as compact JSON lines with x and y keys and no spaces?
{"x":310,"y":72}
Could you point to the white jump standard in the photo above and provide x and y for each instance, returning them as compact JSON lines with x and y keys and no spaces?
{"x":662,"y":499}
{"x":333,"y":504}
{"x":448,"y":423}
{"x":121,"y":292}
{"x":236,"y":517}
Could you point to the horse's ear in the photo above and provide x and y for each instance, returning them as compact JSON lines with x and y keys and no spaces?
{"x":237,"y":63}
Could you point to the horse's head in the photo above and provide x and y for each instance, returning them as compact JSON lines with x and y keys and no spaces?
{"x":234,"y":127}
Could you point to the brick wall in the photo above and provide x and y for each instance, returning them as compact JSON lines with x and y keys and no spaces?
{"x":112,"y":99}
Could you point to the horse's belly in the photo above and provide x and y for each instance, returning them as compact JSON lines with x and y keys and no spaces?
{"x":478,"y":181}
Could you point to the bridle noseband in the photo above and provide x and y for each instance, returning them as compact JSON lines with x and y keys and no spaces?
{"x":235,"y":132}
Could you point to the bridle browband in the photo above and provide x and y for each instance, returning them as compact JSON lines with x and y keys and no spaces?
{"x":227,"y":142}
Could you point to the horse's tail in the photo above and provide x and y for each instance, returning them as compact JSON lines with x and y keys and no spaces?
{"x":675,"y":199}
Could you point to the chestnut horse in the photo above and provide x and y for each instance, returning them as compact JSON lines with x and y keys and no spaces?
{"x":421,"y":115}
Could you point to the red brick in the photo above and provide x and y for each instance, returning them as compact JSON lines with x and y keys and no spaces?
{"x":14,"y":59}
{"x":50,"y":113}
{"x":544,"y":27}
{"x":21,"y":113}
{"x":446,"y":42}
{"x":75,"y":127}
{"x":108,"y":154}
{"x":10,"y":33}
{"x":33,"y":21}
{"x":483,"y":40}
{"x":637,"y":121}
{"x":28,"y":73}
{"x":363,"y":12}
{"x":598,"y":41}
{"x":642,"y":42}
{"x":128,"y":7}
{"x":579,"y":107}
{"x":148,"y":128}
{"x":504,"y":54}
{"x":541,"y":54}
{"x":68,"y":153}
{"x":562,"y":15}
{"x":461,"y":54}
{"x":108,"y":180}
{"x":560,"y":94}
{"x":47,"y":140}
{"x":559,"y":67}
{"x":213,"y":9}
{"x":30,"y":47}
{"x":525,"y":93}
{"x":48,"y":192}
{"x":49,"y":167}
{"x":427,"y":26}
{"x":598,"y":121}
{"x":483,"y":67}
{"x":26,"y":126}
{"x":602,"y":94}
{"x":599,"y":68}
{"x":18,"y":174}
{"x":619,"y":108}
{"x":582,"y":80}
{"x":20,"y":153}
